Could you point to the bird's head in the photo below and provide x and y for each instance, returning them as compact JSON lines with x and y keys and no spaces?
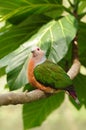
{"x":38,"y":55}
{"x":37,"y":52}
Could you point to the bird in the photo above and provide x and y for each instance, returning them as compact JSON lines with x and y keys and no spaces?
{"x":48,"y":76}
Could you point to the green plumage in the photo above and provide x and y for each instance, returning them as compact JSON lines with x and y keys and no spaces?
{"x":52,"y":75}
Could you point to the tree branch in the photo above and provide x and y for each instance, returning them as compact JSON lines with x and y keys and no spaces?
{"x":75,"y":68}
{"x":21,"y":97}
{"x":26,"y":97}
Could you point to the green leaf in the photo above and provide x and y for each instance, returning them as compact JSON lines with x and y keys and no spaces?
{"x":12,"y":37}
{"x":29,"y":87}
{"x":82,"y":7}
{"x":12,"y":8}
{"x":81,"y":42}
{"x":80,"y":86}
{"x":2,"y":71}
{"x":58,"y":34}
{"x":36,"y":112}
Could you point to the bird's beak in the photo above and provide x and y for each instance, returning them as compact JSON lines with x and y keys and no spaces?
{"x":32,"y":51}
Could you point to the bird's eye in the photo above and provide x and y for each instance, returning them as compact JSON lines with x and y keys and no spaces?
{"x":38,"y":49}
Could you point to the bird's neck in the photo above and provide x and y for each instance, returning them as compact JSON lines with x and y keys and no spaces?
{"x":42,"y":60}
{"x":32,"y":64}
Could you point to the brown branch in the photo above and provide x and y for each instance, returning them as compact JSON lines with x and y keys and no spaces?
{"x":75,"y":68}
{"x":23,"y":97}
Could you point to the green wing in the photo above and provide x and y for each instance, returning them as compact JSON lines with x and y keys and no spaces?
{"x":52,"y":75}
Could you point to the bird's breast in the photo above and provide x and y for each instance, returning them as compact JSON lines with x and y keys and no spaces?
{"x":30,"y":71}
{"x":33,"y":81}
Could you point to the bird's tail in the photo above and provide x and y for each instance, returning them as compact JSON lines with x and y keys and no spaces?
{"x":70,"y":90}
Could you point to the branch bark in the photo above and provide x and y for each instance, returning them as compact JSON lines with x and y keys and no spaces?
{"x":26,"y":97}
{"x":21,"y":97}
{"x":75,"y":68}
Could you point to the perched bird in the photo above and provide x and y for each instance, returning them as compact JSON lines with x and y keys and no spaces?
{"x":48,"y":76}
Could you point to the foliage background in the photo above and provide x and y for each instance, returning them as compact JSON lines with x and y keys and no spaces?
{"x":17,"y":32}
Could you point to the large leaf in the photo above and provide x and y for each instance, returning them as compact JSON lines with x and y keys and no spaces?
{"x":36,"y":112}
{"x":57,"y":34}
{"x":11,"y":37}
{"x":12,"y":8}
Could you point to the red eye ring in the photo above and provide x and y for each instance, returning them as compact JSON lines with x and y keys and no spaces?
{"x":38,"y":49}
